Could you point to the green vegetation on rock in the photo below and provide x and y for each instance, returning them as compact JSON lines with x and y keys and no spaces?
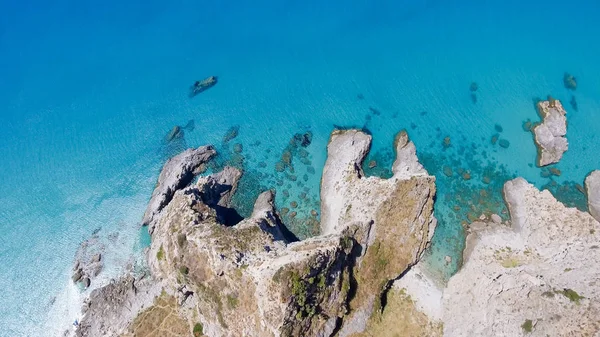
{"x":198,"y":330}
{"x":160,"y":255}
{"x":571,"y":295}
{"x":527,"y":326}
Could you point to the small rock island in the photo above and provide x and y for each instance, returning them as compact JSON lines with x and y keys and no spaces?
{"x":550,"y":134}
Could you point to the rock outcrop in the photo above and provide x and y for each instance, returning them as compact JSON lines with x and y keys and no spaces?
{"x":177,"y":173}
{"x":592,"y":187}
{"x":390,"y":219}
{"x":88,"y":261}
{"x":248,"y":278}
{"x":110,"y":309}
{"x":539,"y":276}
{"x":550,"y":134}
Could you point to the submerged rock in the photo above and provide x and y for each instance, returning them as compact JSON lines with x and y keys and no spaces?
{"x":569,"y":81}
{"x":504,"y":143}
{"x":592,"y":187}
{"x":550,"y":134}
{"x":201,"y":86}
{"x":573,"y":103}
{"x":231,"y":134}
{"x":175,"y":133}
{"x":473,"y":87}
{"x":446,"y":143}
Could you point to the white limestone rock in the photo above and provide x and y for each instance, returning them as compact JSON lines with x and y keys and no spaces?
{"x":542,"y":271}
{"x":592,"y":187}
{"x":550,"y":134}
{"x":177,"y":173}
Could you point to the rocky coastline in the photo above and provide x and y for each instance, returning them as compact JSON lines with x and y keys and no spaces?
{"x":213,"y":273}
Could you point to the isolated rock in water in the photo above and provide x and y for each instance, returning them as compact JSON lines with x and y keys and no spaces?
{"x":537,"y":276}
{"x":550,"y":134}
{"x":200,"y":86}
{"x":176,"y":174}
{"x":592,"y":187}
{"x":391,"y":219}
{"x":569,"y":81}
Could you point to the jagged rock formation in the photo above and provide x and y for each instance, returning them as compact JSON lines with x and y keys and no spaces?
{"x":177,"y":173}
{"x":592,"y":187}
{"x":390,"y":219}
{"x":550,"y":134}
{"x":110,"y":309}
{"x":88,"y":261}
{"x":227,"y":276}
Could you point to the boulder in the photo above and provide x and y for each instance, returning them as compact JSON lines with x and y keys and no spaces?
{"x":550,"y":134}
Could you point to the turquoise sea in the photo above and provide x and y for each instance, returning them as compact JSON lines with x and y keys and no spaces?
{"x":89,"y":90}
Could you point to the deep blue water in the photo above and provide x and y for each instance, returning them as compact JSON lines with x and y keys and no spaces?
{"x":89,"y":90}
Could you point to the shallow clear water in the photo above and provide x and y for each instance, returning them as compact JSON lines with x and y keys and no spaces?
{"x":89,"y":91}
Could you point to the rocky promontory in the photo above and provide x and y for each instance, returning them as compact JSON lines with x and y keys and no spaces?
{"x":550,"y":134}
{"x":213,"y":273}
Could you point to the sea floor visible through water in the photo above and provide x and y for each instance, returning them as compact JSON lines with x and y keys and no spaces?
{"x":89,"y":93}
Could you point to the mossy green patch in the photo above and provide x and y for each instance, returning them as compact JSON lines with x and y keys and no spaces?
{"x":160,"y":255}
{"x":527,"y":325}
{"x":198,"y":330}
{"x":571,"y":295}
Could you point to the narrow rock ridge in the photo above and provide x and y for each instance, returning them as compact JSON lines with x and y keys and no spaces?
{"x":391,"y":219}
{"x":248,"y":278}
{"x":550,"y":134}
{"x":592,"y":187}
{"x":176,"y":174}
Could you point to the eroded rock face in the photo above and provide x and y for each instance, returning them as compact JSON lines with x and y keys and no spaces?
{"x":592,"y":187}
{"x":550,"y":134}
{"x":539,"y":276}
{"x":111,"y":309}
{"x":247,"y":278}
{"x":177,"y":173}
{"x":390,"y":219}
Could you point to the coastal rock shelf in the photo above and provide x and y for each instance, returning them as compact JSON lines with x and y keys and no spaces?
{"x":213,"y":273}
{"x":536,"y":277}
{"x":550,"y":134}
